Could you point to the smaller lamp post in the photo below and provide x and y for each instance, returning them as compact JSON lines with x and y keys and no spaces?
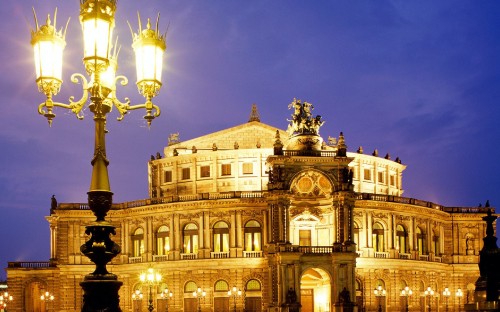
{"x":136,"y":298}
{"x":199,"y":293}
{"x":4,"y":298}
{"x":446,"y":295}
{"x":429,"y":293}
{"x":459,"y":294}
{"x":152,"y":278}
{"x":406,"y":292}
{"x":379,"y":293}
{"x":167,"y":295}
{"x":235,"y":292}
{"x":47,"y":297}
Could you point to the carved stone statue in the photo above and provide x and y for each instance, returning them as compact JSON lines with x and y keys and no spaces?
{"x":302,"y":121}
{"x":53,"y":204}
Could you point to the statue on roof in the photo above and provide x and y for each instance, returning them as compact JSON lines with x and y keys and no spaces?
{"x":173,"y":138}
{"x":302,"y":121}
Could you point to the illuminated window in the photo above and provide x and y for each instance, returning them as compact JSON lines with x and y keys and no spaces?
{"x":381,"y":176}
{"x":422,"y":250}
{"x":221,"y":237}
{"x":378,"y":237}
{"x":205,"y":171}
{"x":226,"y":169}
{"x":253,"y":236}
{"x":355,"y":234}
{"x":222,"y":286}
{"x":190,"y":287}
{"x":247,"y":168}
{"x":435,"y":244}
{"x":162,"y":240}
{"x":304,"y":237}
{"x":253,"y":284}
{"x":186,"y":173}
{"x":367,"y":174}
{"x":401,"y":239}
{"x":168,"y":176}
{"x":138,"y":243}
{"x":392,"y":180}
{"x":190,"y":236}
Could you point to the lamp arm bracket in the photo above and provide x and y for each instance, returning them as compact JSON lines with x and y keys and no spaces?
{"x":121,"y":107}
{"x":77,"y":106}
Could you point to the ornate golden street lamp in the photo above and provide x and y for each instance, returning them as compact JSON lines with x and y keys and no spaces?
{"x":4,"y":298}
{"x":429,"y":292}
{"x":47,"y":297}
{"x":151,"y":278}
{"x":167,"y":295}
{"x":379,"y":292}
{"x":235,"y":292}
{"x":199,"y":293}
{"x":97,"y":18}
{"x":459,"y":294}
{"x":446,"y":295}
{"x":406,"y":292}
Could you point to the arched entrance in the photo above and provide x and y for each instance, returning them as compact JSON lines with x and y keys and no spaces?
{"x":315,"y":291}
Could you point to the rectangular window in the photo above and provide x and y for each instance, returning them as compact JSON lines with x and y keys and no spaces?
{"x":304,"y":238}
{"x":186,"y":174}
{"x":226,"y":169}
{"x":381,"y":176}
{"x":205,"y":171}
{"x":247,"y":168}
{"x":393,"y":180}
{"x":168,"y":176}
{"x":367,"y":174}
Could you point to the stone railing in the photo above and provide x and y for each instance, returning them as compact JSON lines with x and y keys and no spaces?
{"x":31,"y":264}
{"x":381,"y":254}
{"x":261,"y":194}
{"x":189,"y":256}
{"x":134,"y":259}
{"x":252,"y":254}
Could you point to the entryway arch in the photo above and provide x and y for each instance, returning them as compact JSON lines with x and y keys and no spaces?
{"x":315,"y":290}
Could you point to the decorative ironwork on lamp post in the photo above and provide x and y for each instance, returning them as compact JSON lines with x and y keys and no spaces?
{"x":406,"y":292}
{"x":199,"y":293}
{"x":459,"y":294}
{"x":152,"y":278}
{"x":97,"y":18}
{"x":4,"y":298}
{"x":379,"y":293}
{"x":429,"y":293}
{"x":446,"y":295}
{"x":166,"y":295}
{"x":47,"y":297}
{"x":234,"y":292}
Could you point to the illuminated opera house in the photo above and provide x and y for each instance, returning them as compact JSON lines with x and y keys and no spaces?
{"x":283,"y":216}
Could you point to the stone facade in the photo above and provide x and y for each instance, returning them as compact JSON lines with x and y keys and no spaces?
{"x":237,"y":208}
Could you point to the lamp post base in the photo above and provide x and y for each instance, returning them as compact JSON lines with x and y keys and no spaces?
{"x":101,"y":295}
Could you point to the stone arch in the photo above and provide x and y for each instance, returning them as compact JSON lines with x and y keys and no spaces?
{"x":32,"y":290}
{"x":316,"y":289}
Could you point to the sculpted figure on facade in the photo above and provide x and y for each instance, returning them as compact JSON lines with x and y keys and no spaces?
{"x":302,"y":121}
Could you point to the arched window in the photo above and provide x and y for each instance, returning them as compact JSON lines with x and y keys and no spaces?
{"x":163,"y":240}
{"x":422,"y":250}
{"x":401,"y":239}
{"x":138,"y":242}
{"x":190,"y":236}
{"x":378,"y":237}
{"x":355,"y":234}
{"x":253,"y":285}
{"x":221,"y":286}
{"x":221,"y":237}
{"x":253,"y":236}
{"x":189,"y":287}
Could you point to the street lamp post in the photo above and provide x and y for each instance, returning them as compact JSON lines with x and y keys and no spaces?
{"x":406,"y":292}
{"x":4,"y":298}
{"x":459,"y":294}
{"x":234,"y":292}
{"x":151,"y":278}
{"x":379,"y":293}
{"x":97,"y":18}
{"x":446,"y":295}
{"x":429,"y":293}
{"x":46,"y":298}
{"x":167,"y":295}
{"x":199,"y":293}
{"x":137,"y":298}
